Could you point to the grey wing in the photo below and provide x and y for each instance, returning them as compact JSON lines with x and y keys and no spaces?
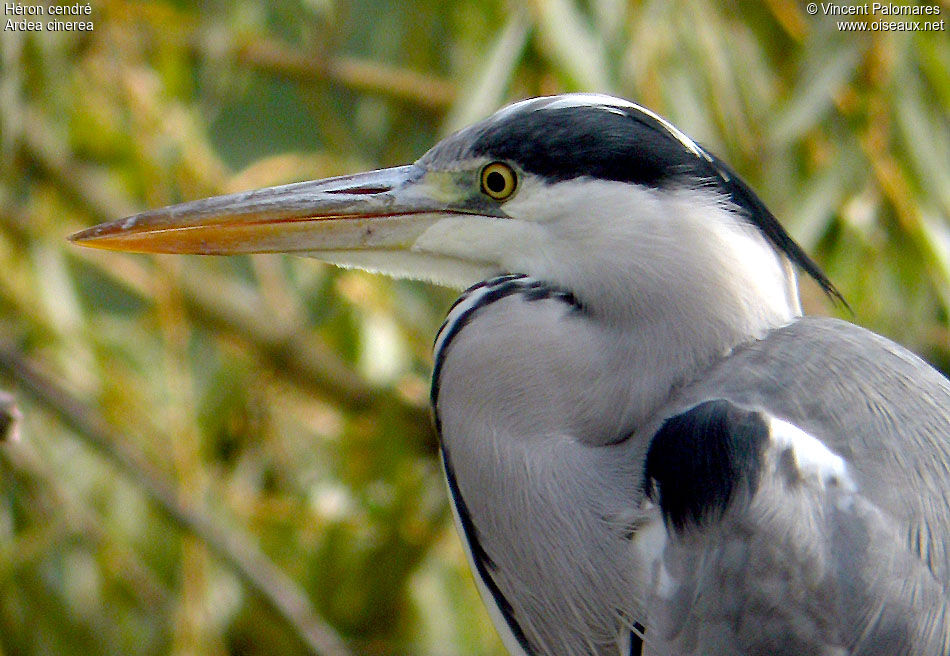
{"x":879,"y":407}
{"x":879,"y":539}
{"x":771,"y":548}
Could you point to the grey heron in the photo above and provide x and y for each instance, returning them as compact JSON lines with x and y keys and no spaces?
{"x":648,"y":448}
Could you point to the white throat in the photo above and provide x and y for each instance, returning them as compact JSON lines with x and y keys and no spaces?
{"x":683,"y":271}
{"x":633,"y":252}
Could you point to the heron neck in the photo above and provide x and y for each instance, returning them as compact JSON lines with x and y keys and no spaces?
{"x":667,"y":329}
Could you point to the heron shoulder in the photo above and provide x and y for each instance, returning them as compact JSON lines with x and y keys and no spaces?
{"x":880,"y":408}
{"x":704,"y":458}
{"x":766,"y":526}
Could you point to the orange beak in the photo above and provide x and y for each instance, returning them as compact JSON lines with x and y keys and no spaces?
{"x":378,"y":210}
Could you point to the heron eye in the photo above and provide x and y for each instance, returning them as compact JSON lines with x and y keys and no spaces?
{"x":499,"y":180}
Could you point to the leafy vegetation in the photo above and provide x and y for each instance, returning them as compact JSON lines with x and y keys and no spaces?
{"x":233,"y":455}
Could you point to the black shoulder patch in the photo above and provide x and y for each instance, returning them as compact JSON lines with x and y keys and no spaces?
{"x":698,"y":460}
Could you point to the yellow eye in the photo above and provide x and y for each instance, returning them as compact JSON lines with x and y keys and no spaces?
{"x":499,"y":180}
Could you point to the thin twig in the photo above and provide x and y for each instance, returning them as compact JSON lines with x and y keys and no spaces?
{"x":358,"y":74}
{"x":270,"y":56}
{"x":250,"y":564}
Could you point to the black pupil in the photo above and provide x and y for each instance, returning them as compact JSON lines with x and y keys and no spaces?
{"x":495,"y":182}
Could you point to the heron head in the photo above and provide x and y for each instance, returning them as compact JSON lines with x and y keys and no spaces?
{"x":584,"y":190}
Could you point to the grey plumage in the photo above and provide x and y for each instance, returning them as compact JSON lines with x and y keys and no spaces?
{"x":799,"y":550}
{"x":862,"y":570}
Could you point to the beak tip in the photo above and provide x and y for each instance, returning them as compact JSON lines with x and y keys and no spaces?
{"x":94,"y":237}
{"x":83,"y":237}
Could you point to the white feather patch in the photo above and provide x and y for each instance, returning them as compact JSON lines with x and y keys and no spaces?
{"x":814,"y":460}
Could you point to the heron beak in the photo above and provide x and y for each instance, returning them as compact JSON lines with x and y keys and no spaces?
{"x":384,"y":210}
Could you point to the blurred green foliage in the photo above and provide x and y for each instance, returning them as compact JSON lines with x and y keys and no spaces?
{"x":218,"y":456}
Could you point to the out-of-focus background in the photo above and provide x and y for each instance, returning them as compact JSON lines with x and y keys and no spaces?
{"x":234,"y":455}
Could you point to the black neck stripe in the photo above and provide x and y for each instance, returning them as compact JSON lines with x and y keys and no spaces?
{"x":471,"y":301}
{"x":483,"y":562}
{"x":480,"y":296}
